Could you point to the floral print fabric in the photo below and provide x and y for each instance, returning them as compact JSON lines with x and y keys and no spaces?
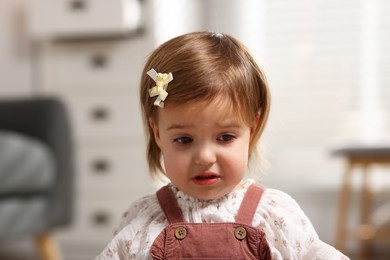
{"x":289,"y":232}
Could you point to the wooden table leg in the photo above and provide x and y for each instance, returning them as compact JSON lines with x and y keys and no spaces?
{"x":48,"y":247}
{"x":343,"y":210}
{"x":366,"y":230}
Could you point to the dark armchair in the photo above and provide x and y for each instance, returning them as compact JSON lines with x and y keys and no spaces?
{"x":36,"y":170}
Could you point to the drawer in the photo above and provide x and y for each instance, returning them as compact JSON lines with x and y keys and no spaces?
{"x":101,"y":119}
{"x":82,"y":18}
{"x":101,"y":67}
{"x":94,"y":222}
{"x":113,"y":172}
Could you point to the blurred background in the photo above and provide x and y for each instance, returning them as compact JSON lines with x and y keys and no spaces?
{"x":327,"y":63}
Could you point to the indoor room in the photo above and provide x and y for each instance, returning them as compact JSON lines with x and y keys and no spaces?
{"x":72,"y":138}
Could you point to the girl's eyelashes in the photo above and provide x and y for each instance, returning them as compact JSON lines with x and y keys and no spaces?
{"x":226,"y":138}
{"x":183,"y":140}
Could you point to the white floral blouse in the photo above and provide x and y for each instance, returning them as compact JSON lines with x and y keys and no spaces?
{"x":289,"y":232}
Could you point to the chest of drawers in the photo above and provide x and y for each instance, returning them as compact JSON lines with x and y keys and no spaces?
{"x":98,"y":78}
{"x":82,"y":18}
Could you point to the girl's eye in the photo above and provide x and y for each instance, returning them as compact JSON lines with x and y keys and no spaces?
{"x":183,"y":140}
{"x":226,"y":138}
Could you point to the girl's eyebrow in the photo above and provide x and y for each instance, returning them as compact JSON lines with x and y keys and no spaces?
{"x":229,"y":124}
{"x":177,"y":126}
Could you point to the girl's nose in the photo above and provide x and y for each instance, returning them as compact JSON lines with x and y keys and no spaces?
{"x":205,"y":155}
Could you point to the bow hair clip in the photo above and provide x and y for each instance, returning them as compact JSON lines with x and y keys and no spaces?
{"x":160,"y":90}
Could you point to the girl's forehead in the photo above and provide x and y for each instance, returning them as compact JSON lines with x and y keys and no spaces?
{"x":197,"y":106}
{"x":216,"y":109}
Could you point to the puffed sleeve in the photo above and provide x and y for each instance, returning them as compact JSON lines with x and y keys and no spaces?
{"x":136,"y":231}
{"x":290,"y":233}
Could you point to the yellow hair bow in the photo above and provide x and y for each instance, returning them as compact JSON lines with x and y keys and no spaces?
{"x":160,"y":90}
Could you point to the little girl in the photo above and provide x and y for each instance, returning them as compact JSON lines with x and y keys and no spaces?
{"x":205,"y":103}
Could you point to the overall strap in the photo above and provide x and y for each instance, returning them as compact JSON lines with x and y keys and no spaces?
{"x":169,"y":205}
{"x":249,"y":204}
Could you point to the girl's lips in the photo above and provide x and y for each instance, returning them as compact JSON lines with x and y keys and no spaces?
{"x":206,"y":179}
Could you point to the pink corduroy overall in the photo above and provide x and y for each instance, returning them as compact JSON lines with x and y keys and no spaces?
{"x":228,"y":240}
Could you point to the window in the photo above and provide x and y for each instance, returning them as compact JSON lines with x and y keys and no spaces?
{"x":327,"y":62}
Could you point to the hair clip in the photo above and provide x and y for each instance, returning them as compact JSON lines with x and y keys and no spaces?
{"x":160,"y":90}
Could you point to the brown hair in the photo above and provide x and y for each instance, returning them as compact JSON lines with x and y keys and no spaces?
{"x":206,"y":65}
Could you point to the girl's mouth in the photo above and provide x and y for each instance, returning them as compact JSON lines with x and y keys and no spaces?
{"x":206,"y":179}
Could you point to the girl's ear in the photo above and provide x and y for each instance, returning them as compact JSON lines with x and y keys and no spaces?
{"x":254,"y":126}
{"x":156,"y":132}
{"x":255,"y":123}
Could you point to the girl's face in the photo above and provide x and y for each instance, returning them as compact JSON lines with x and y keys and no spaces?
{"x":204,"y":147}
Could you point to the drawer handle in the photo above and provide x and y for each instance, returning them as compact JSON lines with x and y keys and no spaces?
{"x":101,"y":218}
{"x":99,"y":61}
{"x":101,"y":166}
{"x":100,"y":114}
{"x":77,"y":5}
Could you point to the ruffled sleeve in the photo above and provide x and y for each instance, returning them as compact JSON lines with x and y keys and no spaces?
{"x":289,"y":232}
{"x":136,"y":231}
